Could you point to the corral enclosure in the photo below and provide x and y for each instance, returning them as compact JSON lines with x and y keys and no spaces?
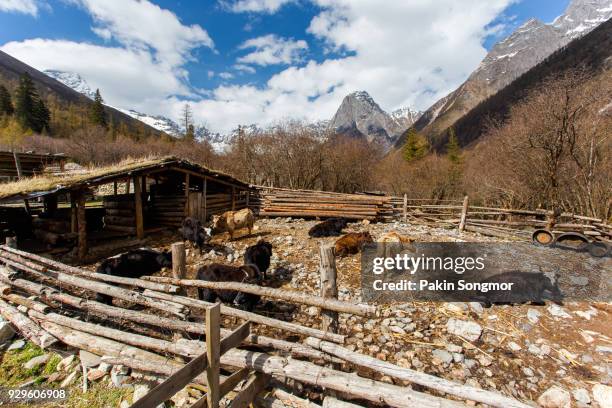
{"x":113,"y":207}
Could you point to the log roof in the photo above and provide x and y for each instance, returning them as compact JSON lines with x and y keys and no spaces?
{"x":38,"y":186}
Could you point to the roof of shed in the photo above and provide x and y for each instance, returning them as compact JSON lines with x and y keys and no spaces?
{"x":38,"y":186}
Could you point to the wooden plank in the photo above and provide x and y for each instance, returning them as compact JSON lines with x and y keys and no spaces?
{"x":179,"y":267}
{"x":232,"y":381}
{"x":82,"y":226}
{"x":173,"y":384}
{"x":138,"y":208}
{"x":235,"y":338}
{"x":329,"y":288}
{"x":204,"y":188}
{"x":253,"y":387}
{"x":464,"y":211}
{"x":213,"y":348}
{"x":187,"y":194}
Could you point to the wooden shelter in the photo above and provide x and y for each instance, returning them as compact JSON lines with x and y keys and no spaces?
{"x":131,"y":200}
{"x":15,"y":165}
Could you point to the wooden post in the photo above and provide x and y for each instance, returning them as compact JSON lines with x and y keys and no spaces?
{"x":17,"y":164}
{"x":248,"y":195}
{"x":127,"y":186}
{"x":82,"y":225}
{"x":73,"y":213}
{"x":138,"y":208}
{"x":186,"y":194}
{"x":233,"y":198}
{"x":11,"y":242}
{"x":178,"y":260}
{"x":114,"y":187}
{"x":464,"y":211}
{"x":405,"y":208}
{"x":213,"y":353}
{"x":204,"y":198}
{"x":327,"y":267}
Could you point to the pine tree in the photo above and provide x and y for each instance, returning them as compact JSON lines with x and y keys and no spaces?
{"x":6,"y":104}
{"x":97,"y":114}
{"x":187,"y":116}
{"x":30,"y":111}
{"x":453,"y":151}
{"x":416,"y":146}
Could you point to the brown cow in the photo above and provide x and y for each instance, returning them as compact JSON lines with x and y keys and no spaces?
{"x":352,"y":243}
{"x":232,"y":221}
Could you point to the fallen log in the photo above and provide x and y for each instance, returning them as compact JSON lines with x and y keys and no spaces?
{"x":26,"y":327}
{"x":289,"y":296}
{"x":182,"y":347}
{"x":253,"y":317}
{"x":293,"y":401}
{"x":100,"y":309}
{"x":305,"y":372}
{"x":100,"y":287}
{"x":436,"y":383}
{"x":26,"y":258}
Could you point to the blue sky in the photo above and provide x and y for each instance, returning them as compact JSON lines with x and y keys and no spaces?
{"x":259,"y":61}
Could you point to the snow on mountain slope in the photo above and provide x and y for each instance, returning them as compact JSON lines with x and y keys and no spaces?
{"x":528,"y":45}
{"x":72,"y":80}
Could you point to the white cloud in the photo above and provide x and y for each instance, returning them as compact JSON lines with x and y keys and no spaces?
{"x":20,"y":6}
{"x":255,"y":6}
{"x":144,"y":25}
{"x":146,"y":67}
{"x":271,"y":49}
{"x":244,"y":68}
{"x":404,"y":53}
{"x":226,"y":75}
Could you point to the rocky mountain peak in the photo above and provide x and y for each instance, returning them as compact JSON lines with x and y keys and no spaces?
{"x":72,"y":80}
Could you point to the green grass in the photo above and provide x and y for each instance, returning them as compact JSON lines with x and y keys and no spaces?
{"x":99,"y":394}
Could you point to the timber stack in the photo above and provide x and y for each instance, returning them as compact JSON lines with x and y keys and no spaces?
{"x":50,"y":303}
{"x":277,"y":202}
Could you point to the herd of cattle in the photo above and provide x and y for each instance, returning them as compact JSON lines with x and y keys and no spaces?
{"x":256,"y":261}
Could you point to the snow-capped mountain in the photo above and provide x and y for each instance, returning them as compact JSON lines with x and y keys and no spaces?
{"x":360,"y":116}
{"x":528,"y":45}
{"x":405,"y":117}
{"x":72,"y":80}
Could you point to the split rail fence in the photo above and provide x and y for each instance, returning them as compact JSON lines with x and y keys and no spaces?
{"x":51,"y":303}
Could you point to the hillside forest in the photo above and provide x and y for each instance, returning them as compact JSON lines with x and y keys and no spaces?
{"x":551,"y":150}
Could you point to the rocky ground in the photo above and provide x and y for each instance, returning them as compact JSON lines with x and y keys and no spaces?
{"x":557,"y":355}
{"x":552,"y":353}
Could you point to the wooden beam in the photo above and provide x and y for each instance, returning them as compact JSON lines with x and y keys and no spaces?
{"x":213,"y":352}
{"x":187,"y":194}
{"x":253,"y":387}
{"x":235,"y":338}
{"x":173,"y":384}
{"x":138,"y":208}
{"x":232,"y":381}
{"x":464,"y":211}
{"x":179,"y":267}
{"x":17,"y":165}
{"x":82,"y":226}
{"x":405,"y":208}
{"x":329,"y":288}
{"x":233,"y":198}
{"x":204,"y":193}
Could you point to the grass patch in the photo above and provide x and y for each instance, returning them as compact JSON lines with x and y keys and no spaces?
{"x":51,"y":366}
{"x":12,"y":372}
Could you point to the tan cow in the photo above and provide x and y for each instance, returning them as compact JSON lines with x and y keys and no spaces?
{"x":232,"y":221}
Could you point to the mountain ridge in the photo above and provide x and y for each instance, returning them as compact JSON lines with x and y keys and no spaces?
{"x":523,"y":49}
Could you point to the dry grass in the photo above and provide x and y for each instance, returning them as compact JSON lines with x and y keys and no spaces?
{"x":53,"y":182}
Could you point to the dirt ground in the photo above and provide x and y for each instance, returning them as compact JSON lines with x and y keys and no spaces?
{"x":522,"y":350}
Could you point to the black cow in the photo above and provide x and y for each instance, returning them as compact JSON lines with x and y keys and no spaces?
{"x":259,"y":254}
{"x":332,"y":227}
{"x":226,"y":273}
{"x":256,"y":263}
{"x":134,"y":264}
{"x":192,"y":230}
